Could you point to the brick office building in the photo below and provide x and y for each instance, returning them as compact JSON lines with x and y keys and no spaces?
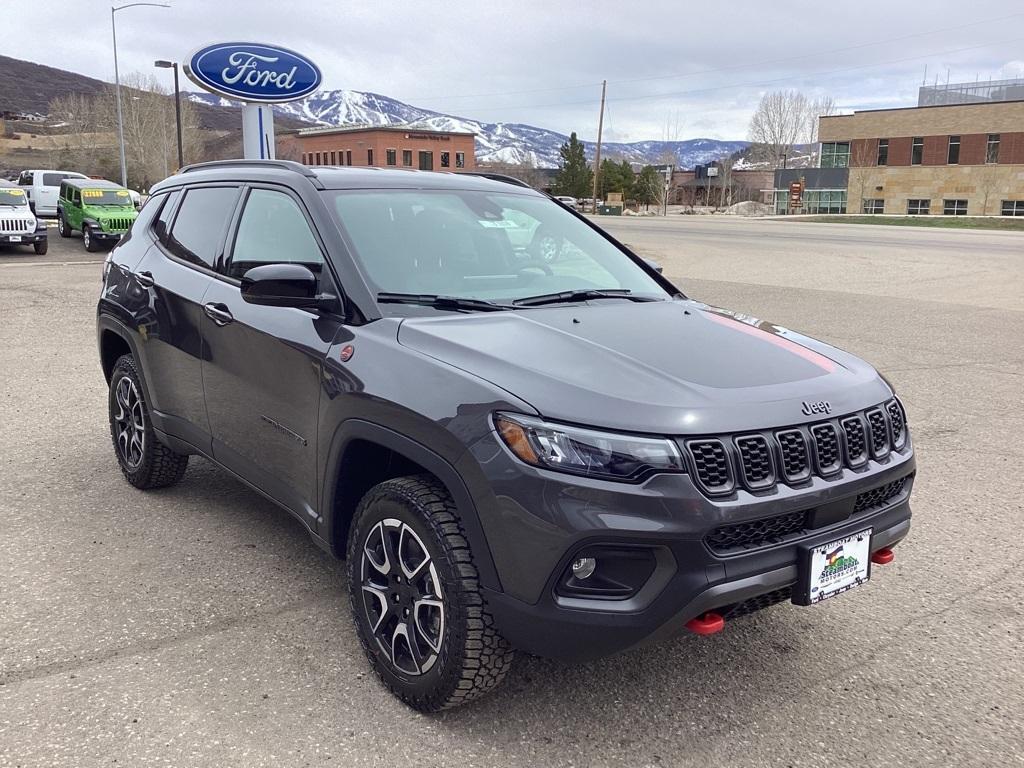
{"x":386,"y":147}
{"x":954,"y":159}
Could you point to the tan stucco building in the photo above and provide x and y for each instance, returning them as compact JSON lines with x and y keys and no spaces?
{"x":960,"y":159}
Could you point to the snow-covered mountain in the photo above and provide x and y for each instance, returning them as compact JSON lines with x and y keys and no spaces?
{"x":495,"y":142}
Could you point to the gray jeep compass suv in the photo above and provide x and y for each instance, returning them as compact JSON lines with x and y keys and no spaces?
{"x":517,"y":432}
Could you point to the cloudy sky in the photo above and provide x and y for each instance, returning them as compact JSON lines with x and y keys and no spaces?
{"x":675,"y":69}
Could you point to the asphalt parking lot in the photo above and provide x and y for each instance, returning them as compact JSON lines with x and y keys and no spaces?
{"x":198,"y":626}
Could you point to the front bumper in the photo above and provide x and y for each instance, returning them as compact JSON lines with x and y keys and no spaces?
{"x":531,"y":550}
{"x":106,"y":237}
{"x":27,"y":239}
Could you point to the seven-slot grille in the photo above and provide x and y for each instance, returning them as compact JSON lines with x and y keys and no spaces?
{"x":117,"y":224}
{"x":879,"y":497}
{"x":758,"y":460}
{"x":17,"y":226}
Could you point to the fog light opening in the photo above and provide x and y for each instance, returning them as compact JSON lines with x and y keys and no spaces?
{"x":583,"y":567}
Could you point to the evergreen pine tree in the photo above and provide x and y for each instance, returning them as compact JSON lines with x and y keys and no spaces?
{"x":574,"y":178}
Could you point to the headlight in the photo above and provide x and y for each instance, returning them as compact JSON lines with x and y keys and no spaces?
{"x":586,"y":451}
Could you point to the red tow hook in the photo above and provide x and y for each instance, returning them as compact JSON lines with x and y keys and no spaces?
{"x":707,"y":624}
{"x":883,"y":556}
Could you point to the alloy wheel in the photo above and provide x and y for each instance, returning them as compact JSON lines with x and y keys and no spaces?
{"x":129,"y":419}
{"x":402,"y":597}
{"x":86,"y":238}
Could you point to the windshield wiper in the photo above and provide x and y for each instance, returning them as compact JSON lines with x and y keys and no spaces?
{"x":441,"y":302}
{"x":584,"y":294}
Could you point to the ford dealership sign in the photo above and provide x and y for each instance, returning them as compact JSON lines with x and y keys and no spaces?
{"x":253,"y":72}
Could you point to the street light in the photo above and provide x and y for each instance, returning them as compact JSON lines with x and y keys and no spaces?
{"x":117,"y":81}
{"x":177,"y":104}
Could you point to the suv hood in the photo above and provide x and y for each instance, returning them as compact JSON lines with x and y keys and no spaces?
{"x":669,"y":367}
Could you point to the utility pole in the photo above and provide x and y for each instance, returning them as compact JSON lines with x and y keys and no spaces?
{"x":597,"y":153}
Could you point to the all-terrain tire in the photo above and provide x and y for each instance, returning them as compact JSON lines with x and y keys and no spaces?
{"x":63,"y":228}
{"x":473,"y":657}
{"x":148,"y":463}
{"x":41,"y":247}
{"x":90,"y":242}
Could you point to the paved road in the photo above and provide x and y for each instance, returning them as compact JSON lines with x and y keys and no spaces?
{"x":198,"y":626}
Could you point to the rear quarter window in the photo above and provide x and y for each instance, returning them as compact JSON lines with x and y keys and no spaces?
{"x":199,"y":225}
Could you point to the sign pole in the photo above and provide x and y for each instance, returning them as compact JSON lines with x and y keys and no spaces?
{"x":258,"y":141}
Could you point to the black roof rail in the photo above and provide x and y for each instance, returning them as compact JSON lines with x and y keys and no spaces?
{"x":497,"y":177}
{"x":285,"y":165}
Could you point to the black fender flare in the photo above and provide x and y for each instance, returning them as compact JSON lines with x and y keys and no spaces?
{"x":107,"y":323}
{"x":358,"y":429}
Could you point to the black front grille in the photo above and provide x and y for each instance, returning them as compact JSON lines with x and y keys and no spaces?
{"x":856,"y":441}
{"x":756,"y":461}
{"x":795,"y":465}
{"x":879,"y":497}
{"x":898,"y":422}
{"x":758,"y":603}
{"x":879,"y":433}
{"x":711,"y":463}
{"x":756,"y":533}
{"x":826,"y":448}
{"x":117,"y":225}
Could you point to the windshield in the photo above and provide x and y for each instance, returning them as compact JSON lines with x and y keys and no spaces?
{"x":483,"y":245}
{"x":106,"y":197}
{"x":15,"y":197}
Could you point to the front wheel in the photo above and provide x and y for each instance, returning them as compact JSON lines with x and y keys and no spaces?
{"x":88,"y":240}
{"x":416,"y":597}
{"x":145,"y":462}
{"x":40,"y":247}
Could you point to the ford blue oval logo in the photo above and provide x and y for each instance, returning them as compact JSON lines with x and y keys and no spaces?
{"x":253,"y":72}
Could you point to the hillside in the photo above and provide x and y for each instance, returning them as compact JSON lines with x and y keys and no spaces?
{"x":496,"y":142}
{"x":29,"y":88}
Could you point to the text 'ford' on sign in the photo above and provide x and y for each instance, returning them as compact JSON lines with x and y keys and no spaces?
{"x":253,"y":72}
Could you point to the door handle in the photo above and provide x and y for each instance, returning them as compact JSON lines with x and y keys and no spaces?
{"x":219,"y":313}
{"x":145,"y":279}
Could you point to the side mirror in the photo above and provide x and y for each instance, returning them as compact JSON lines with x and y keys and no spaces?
{"x":282,"y":285}
{"x":654,"y":265}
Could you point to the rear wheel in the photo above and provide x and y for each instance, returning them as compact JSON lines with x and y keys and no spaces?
{"x":145,"y":462}
{"x":40,"y":247}
{"x":416,"y":597}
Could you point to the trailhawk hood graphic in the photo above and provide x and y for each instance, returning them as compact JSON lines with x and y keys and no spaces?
{"x":673,"y":367}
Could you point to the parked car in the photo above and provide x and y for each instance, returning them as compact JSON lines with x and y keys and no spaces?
{"x":101,"y":210}
{"x":568,"y":458}
{"x":18,"y":226}
{"x":569,"y":201}
{"x":42,"y":187}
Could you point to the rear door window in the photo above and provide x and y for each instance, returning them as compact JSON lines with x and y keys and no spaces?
{"x":53,"y":179}
{"x":199,"y":225}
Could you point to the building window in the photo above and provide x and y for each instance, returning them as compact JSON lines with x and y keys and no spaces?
{"x":919,"y":207}
{"x":460,"y":159}
{"x":426,"y":160}
{"x":318,"y":158}
{"x":390,"y":156}
{"x":876,"y":205}
{"x":348,"y":157}
{"x":992,"y":148}
{"x":369,"y":157}
{"x":953,"y":153}
{"x":883,"y":152}
{"x":407,"y":158}
{"x":835,"y":154}
{"x":917,"y":151}
{"x":334,"y":157}
{"x":822,"y":201}
{"x":304,"y":159}
{"x":1013,"y":207}
{"x":954,"y":207}
{"x":445,"y":159}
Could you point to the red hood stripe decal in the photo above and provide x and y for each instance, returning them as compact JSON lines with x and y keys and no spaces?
{"x":826,"y":364}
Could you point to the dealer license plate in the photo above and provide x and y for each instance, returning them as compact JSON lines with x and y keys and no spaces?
{"x":14,"y":239}
{"x":838,"y":566}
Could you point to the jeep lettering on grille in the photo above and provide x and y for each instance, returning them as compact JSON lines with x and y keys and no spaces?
{"x":810,"y":409}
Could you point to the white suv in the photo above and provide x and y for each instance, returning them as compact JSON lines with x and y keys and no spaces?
{"x":17,"y":224}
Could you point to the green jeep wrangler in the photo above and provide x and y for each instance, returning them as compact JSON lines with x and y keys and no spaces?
{"x":101,"y":209}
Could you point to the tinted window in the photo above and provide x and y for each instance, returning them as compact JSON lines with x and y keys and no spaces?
{"x":272,"y":231}
{"x":54,"y":179}
{"x":200,"y":223}
{"x":163,"y":221}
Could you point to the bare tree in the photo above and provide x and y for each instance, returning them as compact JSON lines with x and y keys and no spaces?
{"x":988,"y":183}
{"x":863,"y":158}
{"x":782,"y":120}
{"x":822,"y":106}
